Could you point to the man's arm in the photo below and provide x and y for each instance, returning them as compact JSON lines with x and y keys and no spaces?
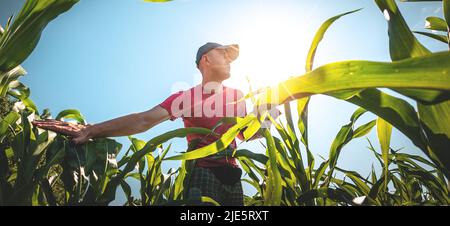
{"x":129,"y":124}
{"x":122,"y":126}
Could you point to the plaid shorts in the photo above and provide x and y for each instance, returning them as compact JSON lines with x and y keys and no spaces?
{"x":204,"y":183}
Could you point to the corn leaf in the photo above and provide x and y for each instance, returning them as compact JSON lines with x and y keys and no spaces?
{"x":435,"y":23}
{"x":18,"y":90}
{"x":20,"y":39}
{"x":319,"y":173}
{"x":319,"y":36}
{"x":446,"y":10}
{"x":302,"y":104}
{"x":420,"y":0}
{"x":150,"y":146}
{"x":442,"y":38}
{"x":5,"y":123}
{"x":430,"y":72}
{"x":273,"y":189}
{"x":434,"y":119}
{"x":251,"y":155}
{"x":384,"y":131}
{"x":337,"y":195}
{"x":71,"y":114}
{"x":7,"y":77}
{"x":217,"y":146}
{"x":344,"y":136}
{"x":364,"y":129}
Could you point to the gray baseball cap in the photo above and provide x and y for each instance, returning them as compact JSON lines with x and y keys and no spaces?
{"x":232,"y":50}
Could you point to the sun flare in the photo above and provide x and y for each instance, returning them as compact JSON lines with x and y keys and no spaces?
{"x":272,"y":48}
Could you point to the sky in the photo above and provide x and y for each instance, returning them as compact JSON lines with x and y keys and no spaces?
{"x":109,"y":58}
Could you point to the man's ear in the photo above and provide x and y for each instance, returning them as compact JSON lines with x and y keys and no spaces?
{"x":203,"y":61}
{"x":205,"y":58}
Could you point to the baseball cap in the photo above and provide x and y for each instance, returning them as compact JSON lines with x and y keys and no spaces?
{"x":232,"y":50}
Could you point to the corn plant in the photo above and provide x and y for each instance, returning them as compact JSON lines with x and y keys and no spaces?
{"x":38,"y":167}
{"x":415,"y":73}
{"x":410,"y":183}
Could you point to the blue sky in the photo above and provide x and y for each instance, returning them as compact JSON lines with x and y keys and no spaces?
{"x":111,"y":58}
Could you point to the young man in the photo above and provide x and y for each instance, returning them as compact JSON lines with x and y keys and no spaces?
{"x":218,"y":176}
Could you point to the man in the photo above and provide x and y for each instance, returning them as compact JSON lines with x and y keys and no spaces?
{"x":217,"y":177}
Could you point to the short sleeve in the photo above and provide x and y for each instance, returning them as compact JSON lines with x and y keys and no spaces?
{"x":167,"y":104}
{"x":241,"y":106}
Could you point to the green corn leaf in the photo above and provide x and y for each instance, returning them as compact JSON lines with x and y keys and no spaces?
{"x":137,"y":145}
{"x":17,"y":43}
{"x":434,"y":119}
{"x":305,"y":85}
{"x":251,"y":155}
{"x":402,"y":43}
{"x":319,"y":173}
{"x":273,"y":189}
{"x":248,"y":166}
{"x":364,"y":129}
{"x":384,"y":131}
{"x":5,"y":123}
{"x":252,"y":183}
{"x":376,"y":189}
{"x":302,"y":110}
{"x":127,"y":190}
{"x":18,"y":90}
{"x":420,"y":0}
{"x":30,"y":105}
{"x":71,"y":114}
{"x":54,"y":155}
{"x":302,"y":104}
{"x":252,"y":129}
{"x":288,"y":116}
{"x":344,"y":136}
{"x":7,"y":77}
{"x":354,"y":173}
{"x":442,"y":38}
{"x":337,"y":195}
{"x":430,"y":72}
{"x":373,"y":175}
{"x":217,"y":146}
{"x":396,"y":111}
{"x":416,"y":158}
{"x":377,"y":156}
{"x":319,"y":36}
{"x":287,"y":170}
{"x":446,"y":10}
{"x":362,"y":186}
{"x":399,"y":33}
{"x":435,"y":23}
{"x":47,"y":190}
{"x":206,"y":199}
{"x":296,"y":156}
{"x":150,"y":146}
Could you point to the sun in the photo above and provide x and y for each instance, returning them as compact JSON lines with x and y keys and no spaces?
{"x":272,"y":49}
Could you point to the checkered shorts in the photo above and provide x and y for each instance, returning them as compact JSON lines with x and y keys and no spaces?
{"x":204,"y":183}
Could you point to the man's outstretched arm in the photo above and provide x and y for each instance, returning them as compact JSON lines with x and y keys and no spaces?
{"x":122,"y":126}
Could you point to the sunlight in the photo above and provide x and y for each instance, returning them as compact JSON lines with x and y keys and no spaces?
{"x":273,"y":47}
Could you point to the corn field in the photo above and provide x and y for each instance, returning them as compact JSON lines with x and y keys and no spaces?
{"x":39,"y":167}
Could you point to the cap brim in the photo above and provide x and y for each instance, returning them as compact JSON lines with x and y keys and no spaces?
{"x":232,"y":50}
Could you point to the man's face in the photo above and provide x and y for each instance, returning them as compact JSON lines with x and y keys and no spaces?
{"x":219,"y":63}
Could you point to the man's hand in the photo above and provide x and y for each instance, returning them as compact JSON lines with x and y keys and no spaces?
{"x":123,"y":126}
{"x":80,"y":133}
